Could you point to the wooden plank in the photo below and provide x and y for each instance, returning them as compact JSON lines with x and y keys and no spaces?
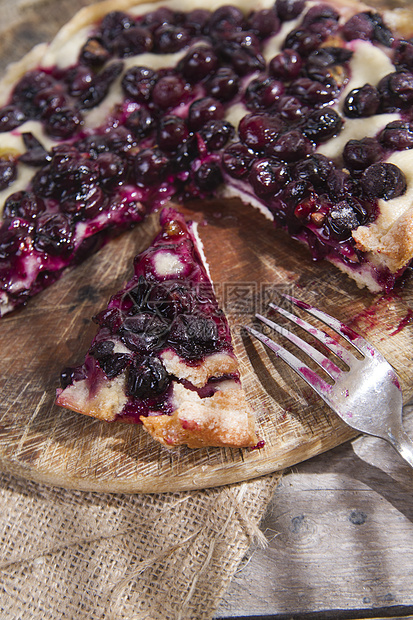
{"x":340,"y":539}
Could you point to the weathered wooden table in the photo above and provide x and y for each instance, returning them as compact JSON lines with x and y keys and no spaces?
{"x":340,"y":540}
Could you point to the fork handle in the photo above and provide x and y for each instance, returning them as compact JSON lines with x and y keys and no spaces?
{"x":404,"y":445}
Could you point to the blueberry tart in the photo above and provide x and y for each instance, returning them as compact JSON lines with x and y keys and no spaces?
{"x":163,"y":354}
{"x":302,"y":109}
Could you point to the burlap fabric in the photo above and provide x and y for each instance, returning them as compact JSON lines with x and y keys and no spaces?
{"x":76,"y":555}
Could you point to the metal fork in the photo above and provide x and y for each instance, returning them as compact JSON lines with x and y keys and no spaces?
{"x":367,"y":396}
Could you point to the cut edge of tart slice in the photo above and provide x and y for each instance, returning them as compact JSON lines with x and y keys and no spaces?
{"x":163,"y":353}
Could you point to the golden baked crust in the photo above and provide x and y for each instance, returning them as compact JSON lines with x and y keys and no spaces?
{"x":224,"y":419}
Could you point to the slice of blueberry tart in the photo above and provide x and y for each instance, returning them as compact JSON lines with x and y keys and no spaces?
{"x":301,"y":108}
{"x":163,"y":353}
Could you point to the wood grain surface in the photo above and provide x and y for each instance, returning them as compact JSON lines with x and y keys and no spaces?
{"x":250,"y":263}
{"x":340,"y":540}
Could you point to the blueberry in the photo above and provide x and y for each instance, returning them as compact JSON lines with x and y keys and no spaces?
{"x":153,"y":19}
{"x":329,"y":56}
{"x":114,"y":364}
{"x":138,"y":82}
{"x":208,"y":177}
{"x":397,"y":89}
{"x":367,"y":26}
{"x":172,"y":131}
{"x":339,"y":184}
{"x":311,"y":92}
{"x":15,"y":234}
{"x":150,"y":167}
{"x":290,"y":146}
{"x":169,"y":38}
{"x":289,"y":9}
{"x":24,"y":204}
{"x":303,"y":41}
{"x":110,"y":318}
{"x":403,"y":58}
{"x":54,"y":234}
{"x":314,"y":169}
{"x":382,"y":34}
{"x":11,"y":117}
{"x":111,"y":168}
{"x":361,"y":102}
{"x":78,"y":79}
{"x":344,"y":217}
{"x":322,"y":125}
{"x":268,"y":176}
{"x":63,"y":123}
{"x":203,"y":110}
{"x":48,"y":101}
{"x":134,"y":300}
{"x":193,"y":336}
{"x":147,"y":377}
{"x":242,"y":52}
{"x":140,"y":122}
{"x":216,"y":133}
{"x":397,"y":136}
{"x":291,"y":109}
{"x":322,"y":20}
{"x":111,"y":363}
{"x":225,"y":19}
{"x":259,"y":130}
{"x":100,"y":85}
{"x":286,"y":65}
{"x":359,"y":26}
{"x":144,"y":332}
{"x":93,"y":53}
{"x":69,"y":375}
{"x":263,"y":23}
{"x":85,"y":203}
{"x":198,"y":64}
{"x":113,"y":24}
{"x":196,"y":21}
{"x":383,"y":180}
{"x":8,"y":172}
{"x":102,"y":349}
{"x":36,"y":154}
{"x":132,"y":42}
{"x":359,"y":154}
{"x":263,"y":92}
{"x":223,"y":84}
{"x":169,"y":91}
{"x":118,"y":139}
{"x":186,"y":154}
{"x":27,"y":88}
{"x":237,"y":160}
{"x":170,"y":298}
{"x":71,"y":171}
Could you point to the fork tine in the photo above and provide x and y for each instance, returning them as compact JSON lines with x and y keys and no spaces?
{"x":327,"y":340}
{"x":345,"y":332}
{"x":318,"y":384}
{"x":324,"y":362}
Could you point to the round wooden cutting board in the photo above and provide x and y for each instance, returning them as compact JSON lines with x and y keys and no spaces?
{"x":251,"y":264}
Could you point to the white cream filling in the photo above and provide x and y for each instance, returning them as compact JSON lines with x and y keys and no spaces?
{"x":167,"y":264}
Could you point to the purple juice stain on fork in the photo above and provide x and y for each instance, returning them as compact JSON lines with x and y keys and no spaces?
{"x":314,"y":379}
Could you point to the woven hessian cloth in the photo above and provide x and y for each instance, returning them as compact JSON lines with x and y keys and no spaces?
{"x":75,"y":555}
